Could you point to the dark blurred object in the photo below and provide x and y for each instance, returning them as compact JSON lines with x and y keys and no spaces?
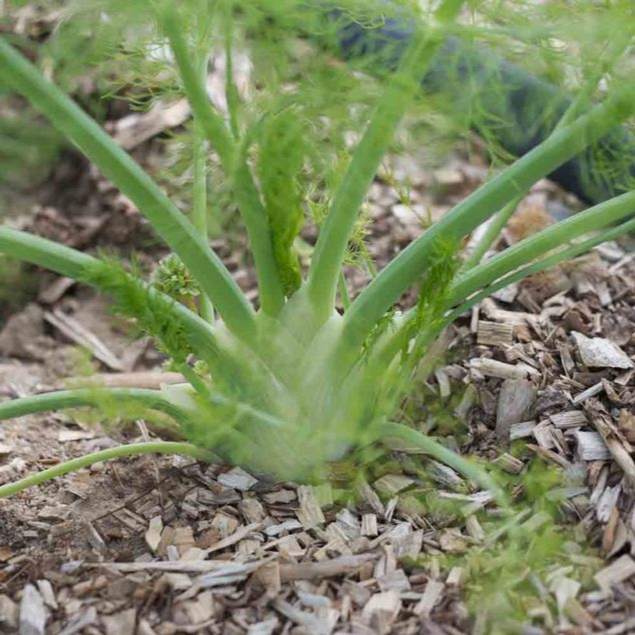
{"x":522,"y":110}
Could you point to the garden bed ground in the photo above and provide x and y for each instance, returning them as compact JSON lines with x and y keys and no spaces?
{"x":151,"y":545}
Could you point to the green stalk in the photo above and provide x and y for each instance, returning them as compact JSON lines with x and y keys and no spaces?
{"x":411,"y":263}
{"x":199,"y":152}
{"x":194,"y":380}
{"x":240,"y":408}
{"x":199,"y":178}
{"x":128,"y":176}
{"x":550,"y":261}
{"x":445,"y":456}
{"x":231,"y":92}
{"x":391,"y":348}
{"x":199,"y":207}
{"x":234,"y":164}
{"x":82,"y":397}
{"x":491,"y":234}
{"x":523,"y":252}
{"x":343,"y":289}
{"x":333,"y":239}
{"x":152,"y":447}
{"x":75,"y":264}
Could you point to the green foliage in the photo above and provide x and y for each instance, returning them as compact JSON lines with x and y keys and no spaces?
{"x":507,"y":580}
{"x":173,"y":278}
{"x":153,"y":313}
{"x":27,"y":146}
{"x":280,"y":161}
{"x":17,"y":284}
{"x":433,"y":297}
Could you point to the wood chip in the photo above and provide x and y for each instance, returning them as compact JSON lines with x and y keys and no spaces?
{"x":515,"y":402}
{"x":153,"y":534}
{"x":142,"y":379}
{"x":280,"y":497}
{"x":48,"y":594}
{"x":432,"y":594}
{"x":451,"y":540}
{"x":593,"y":391}
{"x":122,"y":623}
{"x":231,"y":573}
{"x":454,"y":577}
{"x":5,"y":449}
{"x":616,"y":446}
{"x":607,"y":503}
{"x":252,"y":509}
{"x":327,"y":569}
{"x":136,"y":128}
{"x":494,"y":368}
{"x":618,"y":571}
{"x":515,"y":318}
{"x":290,"y":547}
{"x":444,"y":475}
{"x":76,"y":332}
{"x":264,"y":628}
{"x":310,"y":513}
{"x":494,"y":333}
{"x":235,"y":538}
{"x":9,"y":615}
{"x":509,"y":463}
{"x":224,"y":525}
{"x":598,"y":352}
{"x":568,"y":420}
{"x":591,"y":446}
{"x":564,"y":589}
{"x":543,"y":433}
{"x":237,"y":479}
{"x":66,"y":436}
{"x":308,"y":622}
{"x":369,"y":525}
{"x":268,"y":575}
{"x":521,"y":430}
{"x":443,"y":380}
{"x":391,"y":484}
{"x":381,"y":611}
{"x":288,"y":525}
{"x":33,"y":613}
{"x":578,"y":614}
{"x":81,"y":621}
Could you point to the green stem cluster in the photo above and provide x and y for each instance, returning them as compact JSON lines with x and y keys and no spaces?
{"x":296,"y":360}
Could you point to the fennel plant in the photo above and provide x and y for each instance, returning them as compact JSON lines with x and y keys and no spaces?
{"x":287,"y":388}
